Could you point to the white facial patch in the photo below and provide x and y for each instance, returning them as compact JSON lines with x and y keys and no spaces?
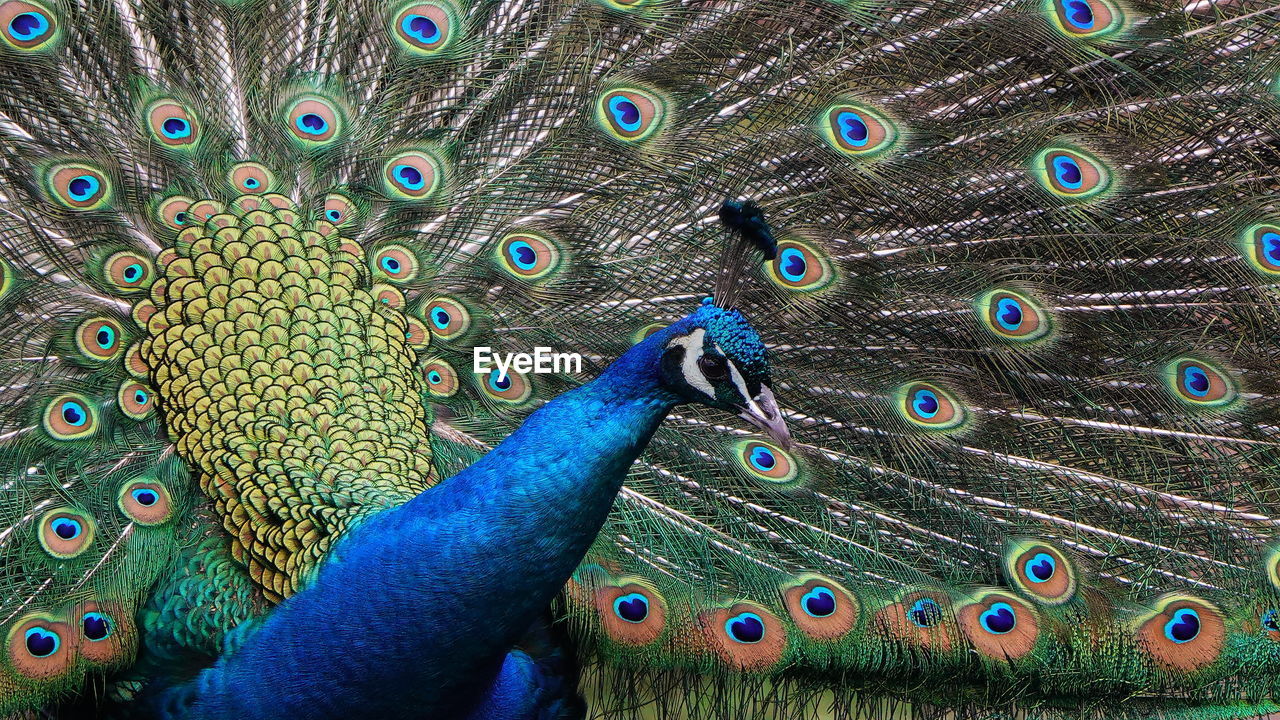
{"x":692,"y":344}
{"x":739,"y":382}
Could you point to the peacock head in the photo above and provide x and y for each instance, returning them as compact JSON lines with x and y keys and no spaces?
{"x":716,"y":358}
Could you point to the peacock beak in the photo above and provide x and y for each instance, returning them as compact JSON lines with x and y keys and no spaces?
{"x":762,"y":411}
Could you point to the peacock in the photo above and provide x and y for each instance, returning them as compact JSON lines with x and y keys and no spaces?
{"x":925,"y":359}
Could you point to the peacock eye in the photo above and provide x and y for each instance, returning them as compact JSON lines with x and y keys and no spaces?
{"x":713,"y":367}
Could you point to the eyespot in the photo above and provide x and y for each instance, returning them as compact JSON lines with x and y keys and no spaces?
{"x":745,"y":636}
{"x":416,"y":334}
{"x":745,"y":627}
{"x":857,"y":130}
{"x":28,"y":26}
{"x":100,"y":338}
{"x":1184,"y":633}
{"x":513,"y":388}
{"x":527,"y":255}
{"x":339,"y":210}
{"x":1041,"y":571}
{"x":95,"y":627}
{"x":1012,"y":316}
{"x":929,"y":407}
{"x":314,"y":121}
{"x":38,"y":647}
{"x":631,"y":114}
{"x":172,"y":124}
{"x":766,"y":462}
{"x":644,"y":332}
{"x":442,"y":381}
{"x":1271,"y":564}
{"x":1085,"y":18}
{"x":999,"y":626}
{"x":172,"y":212}
{"x":396,"y":263}
{"x":412,"y":175}
{"x":1199,"y":383}
{"x":447,"y":318}
{"x":425,"y":28}
{"x":632,"y":612}
{"x":65,"y":533}
{"x":145,"y":502}
{"x":251,"y":177}
{"x":388,"y":295}
{"x":70,"y":417}
{"x":78,"y":186}
{"x":632,"y":608}
{"x":1269,"y":620}
{"x":925,"y":613}
{"x":1070,"y":173}
{"x":135,"y":400}
{"x":800,"y":268}
{"x":1260,"y":245}
{"x":821,"y":608}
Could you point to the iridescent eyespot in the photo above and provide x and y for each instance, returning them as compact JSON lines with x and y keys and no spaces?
{"x":745,"y":627}
{"x":528,"y":255}
{"x":766,"y":462}
{"x":929,"y":407}
{"x":447,"y":318}
{"x":251,"y":177}
{"x":78,"y":186}
{"x":1070,"y":173}
{"x":145,"y":502}
{"x":1260,"y":245}
{"x":313,"y":120}
{"x":1270,"y":622}
{"x":28,"y":26}
{"x":41,"y":642}
{"x":631,"y":114}
{"x":999,"y":619}
{"x":65,"y":533}
{"x":999,"y":626}
{"x":512,"y":388}
{"x":1199,"y":383}
{"x":1184,"y":633}
{"x":857,"y":130}
{"x":395,"y":263}
{"x":442,"y":381}
{"x":632,"y":608}
{"x":412,"y":175}
{"x":95,"y":626}
{"x":70,"y":417}
{"x":38,"y":647}
{"x":745,"y":635}
{"x":1012,"y":316}
{"x":1040,"y":571}
{"x":100,"y":338}
{"x":1085,"y":18}
{"x":172,"y":211}
{"x":800,"y":267}
{"x":644,"y":332}
{"x":135,"y":400}
{"x":339,"y":210}
{"x":925,"y":613}
{"x":416,"y":334}
{"x":172,"y":124}
{"x":388,"y":295}
{"x":821,"y":608}
{"x":425,"y":28}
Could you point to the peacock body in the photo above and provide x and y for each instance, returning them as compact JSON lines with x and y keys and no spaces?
{"x":1021,"y":315}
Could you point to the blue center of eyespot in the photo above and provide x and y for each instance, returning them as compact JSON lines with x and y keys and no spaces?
{"x":391,"y":265}
{"x":41,"y":642}
{"x":96,"y":626}
{"x":792,"y":265}
{"x":925,"y":403}
{"x":311,"y":124}
{"x":433,"y":377}
{"x":409,"y":176}
{"x":522,"y":254}
{"x":762,"y":459}
{"x":745,"y":628}
{"x":1067,"y":172}
{"x":819,"y":602}
{"x":175,"y":128}
{"x":28,"y":26}
{"x":180,"y":218}
{"x":83,"y":187}
{"x":106,"y":337}
{"x":74,"y":413}
{"x":499,"y":382}
{"x":440,"y":317}
{"x":1271,"y":247}
{"x":145,"y":497}
{"x":1009,"y":313}
{"x":333,"y":215}
{"x":1079,"y":14}
{"x":633,"y":608}
{"x":999,"y":618}
{"x":1271,"y":620}
{"x":421,"y":28}
{"x":252,"y":183}
{"x":140,"y":397}
{"x":1195,"y":380}
{"x":853,"y":128}
{"x":133,"y":273}
{"x":1041,"y":568}
{"x":925,"y":613}
{"x":625,"y":113}
{"x":1183,"y":627}
{"x":66,"y":528}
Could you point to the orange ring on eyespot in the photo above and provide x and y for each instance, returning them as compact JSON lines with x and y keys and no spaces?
{"x":1070,"y":173}
{"x":632,"y":612}
{"x":136,"y":400}
{"x":745,"y":636}
{"x":1040,"y":571}
{"x":631,"y":114}
{"x":339,"y":210}
{"x":1199,"y":383}
{"x":441,"y":379}
{"x":412,"y":175}
{"x":70,"y":417}
{"x":424,"y":28}
{"x":820,"y":607}
{"x":922,"y":618}
{"x":396,"y":263}
{"x":527,"y":255}
{"x":39,"y":647}
{"x":766,"y":462}
{"x":388,"y":295}
{"x":100,"y":338}
{"x":1012,"y":316}
{"x":447,"y":318}
{"x":172,"y":211}
{"x":314,"y":120}
{"x":79,"y":186}
{"x":416,"y":335}
{"x":800,"y":267}
{"x":857,"y":130}
{"x":929,"y":407}
{"x":103,"y":632}
{"x":1183,"y":634}
{"x":28,"y":26}
{"x":999,"y":626}
{"x":252,"y":178}
{"x":172,"y":124}
{"x":146,"y":502}
{"x":514,"y":388}
{"x":65,"y":533}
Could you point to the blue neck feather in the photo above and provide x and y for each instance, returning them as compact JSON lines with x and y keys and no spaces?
{"x":428,"y":598}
